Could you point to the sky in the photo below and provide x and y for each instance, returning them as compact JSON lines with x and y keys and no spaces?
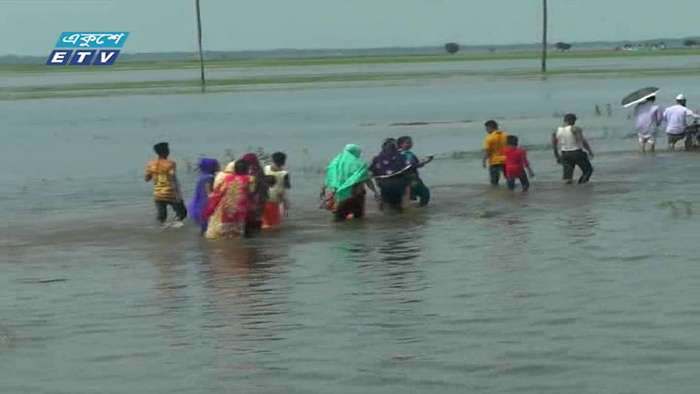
{"x":31,"y":27}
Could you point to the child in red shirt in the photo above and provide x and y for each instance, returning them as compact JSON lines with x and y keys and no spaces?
{"x":516,"y":164}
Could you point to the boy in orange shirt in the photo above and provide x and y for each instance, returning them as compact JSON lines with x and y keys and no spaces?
{"x":494,"y":143}
{"x":166,"y":190}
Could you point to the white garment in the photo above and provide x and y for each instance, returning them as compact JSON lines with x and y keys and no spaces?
{"x":676,"y":119}
{"x":567,"y":140}
{"x":278,"y":190}
{"x":647,"y":117}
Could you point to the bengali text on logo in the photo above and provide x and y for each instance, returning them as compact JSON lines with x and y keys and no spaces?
{"x":82,"y":53}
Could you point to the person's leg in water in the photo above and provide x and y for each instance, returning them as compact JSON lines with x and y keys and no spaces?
{"x":495,"y":173}
{"x":586,"y":167}
{"x":162,"y":211}
{"x":567,"y":167}
{"x":180,"y":210}
{"x":392,"y":192}
{"x":180,"y":213}
{"x":524,"y":182}
{"x":422,"y":192}
{"x":510,"y":183}
{"x":641,"y":144}
{"x":358,"y":207}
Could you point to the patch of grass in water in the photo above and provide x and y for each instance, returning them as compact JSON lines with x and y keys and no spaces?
{"x":234,"y":84}
{"x":344,"y":60}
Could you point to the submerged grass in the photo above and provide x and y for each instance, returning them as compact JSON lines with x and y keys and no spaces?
{"x":345,"y":60}
{"x":189,"y":86}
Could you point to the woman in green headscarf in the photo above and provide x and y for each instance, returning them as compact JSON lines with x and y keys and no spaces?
{"x":346,"y":178}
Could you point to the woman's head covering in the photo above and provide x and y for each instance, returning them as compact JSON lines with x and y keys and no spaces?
{"x":230,"y":167}
{"x":390,"y":160}
{"x":207,"y":165}
{"x":345,"y":171}
{"x":261,"y":187}
{"x":253,"y":163}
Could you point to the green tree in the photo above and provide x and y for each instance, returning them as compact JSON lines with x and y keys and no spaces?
{"x":452,"y":48}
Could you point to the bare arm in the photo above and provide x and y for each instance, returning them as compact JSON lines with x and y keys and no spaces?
{"x":424,"y":162}
{"x":209,"y":188}
{"x":149,"y":173}
{"x":485,"y":158}
{"x":578,"y":134}
{"x":555,"y":147}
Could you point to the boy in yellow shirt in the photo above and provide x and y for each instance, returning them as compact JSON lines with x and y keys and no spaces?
{"x":166,"y":190}
{"x":494,"y":143}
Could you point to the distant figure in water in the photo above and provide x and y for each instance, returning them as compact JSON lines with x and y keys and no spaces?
{"x":166,"y":189}
{"x":647,"y":117}
{"x":278,"y":179}
{"x":494,"y":143}
{"x":676,"y":118}
{"x":390,"y":170}
{"x":204,"y":188}
{"x":516,"y":164}
{"x":570,"y":141}
{"x":347,"y":176}
{"x":228,"y":209}
{"x":418,"y":188}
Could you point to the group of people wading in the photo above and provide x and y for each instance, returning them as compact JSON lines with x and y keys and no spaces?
{"x":247,"y":197}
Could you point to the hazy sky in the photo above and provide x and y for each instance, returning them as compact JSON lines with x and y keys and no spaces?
{"x":31,"y":27}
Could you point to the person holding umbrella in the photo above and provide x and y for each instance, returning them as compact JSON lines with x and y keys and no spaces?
{"x":647,"y":117}
{"x":676,"y":118}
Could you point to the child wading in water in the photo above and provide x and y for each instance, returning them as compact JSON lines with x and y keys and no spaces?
{"x":166,"y":189}
{"x":278,"y":180}
{"x":516,"y":164}
{"x":205,"y":187}
{"x":418,"y":188}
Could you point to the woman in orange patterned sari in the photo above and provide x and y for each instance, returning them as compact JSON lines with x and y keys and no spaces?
{"x":229,"y":206}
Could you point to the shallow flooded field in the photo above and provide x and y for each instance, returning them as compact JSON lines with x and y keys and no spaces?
{"x":588,"y":289}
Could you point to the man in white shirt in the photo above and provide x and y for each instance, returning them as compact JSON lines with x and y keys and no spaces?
{"x":647,"y":117}
{"x":676,"y":121}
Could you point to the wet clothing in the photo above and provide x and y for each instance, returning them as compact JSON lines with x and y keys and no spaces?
{"x":392,"y":172}
{"x":524,"y":182}
{"x":567,"y":139}
{"x":162,"y":209}
{"x":259,"y":196}
{"x":162,"y":172}
{"x":345,"y":171}
{"x":495,"y":172}
{"x":228,"y":209}
{"x":647,"y":117}
{"x":199,"y":201}
{"x":516,"y":162}
{"x":676,"y":118}
{"x":419,"y":191}
{"x":493,"y":145}
{"x":571,"y":159}
{"x":278,"y":194}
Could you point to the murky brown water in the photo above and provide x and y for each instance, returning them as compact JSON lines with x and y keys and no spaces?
{"x":567,"y":290}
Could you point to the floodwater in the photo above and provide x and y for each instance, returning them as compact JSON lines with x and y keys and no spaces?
{"x":579,"y":289}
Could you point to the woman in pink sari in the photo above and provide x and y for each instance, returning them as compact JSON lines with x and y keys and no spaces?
{"x":229,"y":207}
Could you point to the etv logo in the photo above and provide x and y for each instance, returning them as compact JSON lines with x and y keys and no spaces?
{"x":84,"y":56}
